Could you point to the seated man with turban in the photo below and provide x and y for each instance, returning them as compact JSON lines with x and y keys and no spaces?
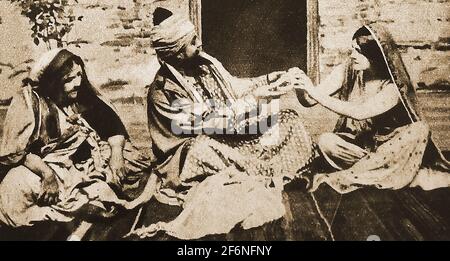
{"x":217,"y":146}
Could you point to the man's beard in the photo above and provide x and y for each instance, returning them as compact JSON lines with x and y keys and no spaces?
{"x":193,"y":64}
{"x":194,"y":60}
{"x":66,"y":100}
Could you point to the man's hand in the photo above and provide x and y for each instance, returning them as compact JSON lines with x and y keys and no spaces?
{"x":274,"y":90}
{"x":274,"y":76}
{"x":216,"y":122}
{"x":49,"y":190}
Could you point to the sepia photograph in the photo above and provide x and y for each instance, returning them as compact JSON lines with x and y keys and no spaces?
{"x":224,"y":120}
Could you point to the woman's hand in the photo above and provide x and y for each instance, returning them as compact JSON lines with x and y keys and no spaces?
{"x":49,"y":189}
{"x":49,"y":184}
{"x":117,"y":165}
{"x":301,"y":81}
{"x":117,"y":161}
{"x":275,"y":76}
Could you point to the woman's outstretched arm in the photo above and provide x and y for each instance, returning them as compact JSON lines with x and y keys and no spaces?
{"x":382,"y":102}
{"x":329,"y":86}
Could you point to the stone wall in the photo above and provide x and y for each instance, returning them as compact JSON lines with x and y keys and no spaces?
{"x":114,"y":37}
{"x":114,"y":42}
{"x":421,"y":29}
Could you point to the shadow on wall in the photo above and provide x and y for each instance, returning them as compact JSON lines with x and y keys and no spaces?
{"x":255,"y":37}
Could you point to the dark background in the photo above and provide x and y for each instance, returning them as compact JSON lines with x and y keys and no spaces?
{"x":255,"y":37}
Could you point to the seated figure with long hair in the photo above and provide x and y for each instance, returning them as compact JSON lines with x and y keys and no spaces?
{"x":66,"y":152}
{"x":380,"y":139}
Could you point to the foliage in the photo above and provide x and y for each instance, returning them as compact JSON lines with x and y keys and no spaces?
{"x":51,"y":20}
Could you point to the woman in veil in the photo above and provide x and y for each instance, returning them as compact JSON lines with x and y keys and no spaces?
{"x":381,"y":139}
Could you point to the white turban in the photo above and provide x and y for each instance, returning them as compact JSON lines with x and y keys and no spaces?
{"x":171,"y":35}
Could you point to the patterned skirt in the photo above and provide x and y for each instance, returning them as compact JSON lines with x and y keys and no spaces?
{"x":235,"y":180}
{"x":395,"y":164}
{"x":283,"y":151}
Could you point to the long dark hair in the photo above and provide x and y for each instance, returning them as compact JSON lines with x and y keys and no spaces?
{"x":371,"y":50}
{"x":51,"y":83}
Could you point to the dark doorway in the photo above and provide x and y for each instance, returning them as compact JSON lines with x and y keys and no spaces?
{"x":254,"y":37}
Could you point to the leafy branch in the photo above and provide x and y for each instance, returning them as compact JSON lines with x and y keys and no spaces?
{"x":51,"y":20}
